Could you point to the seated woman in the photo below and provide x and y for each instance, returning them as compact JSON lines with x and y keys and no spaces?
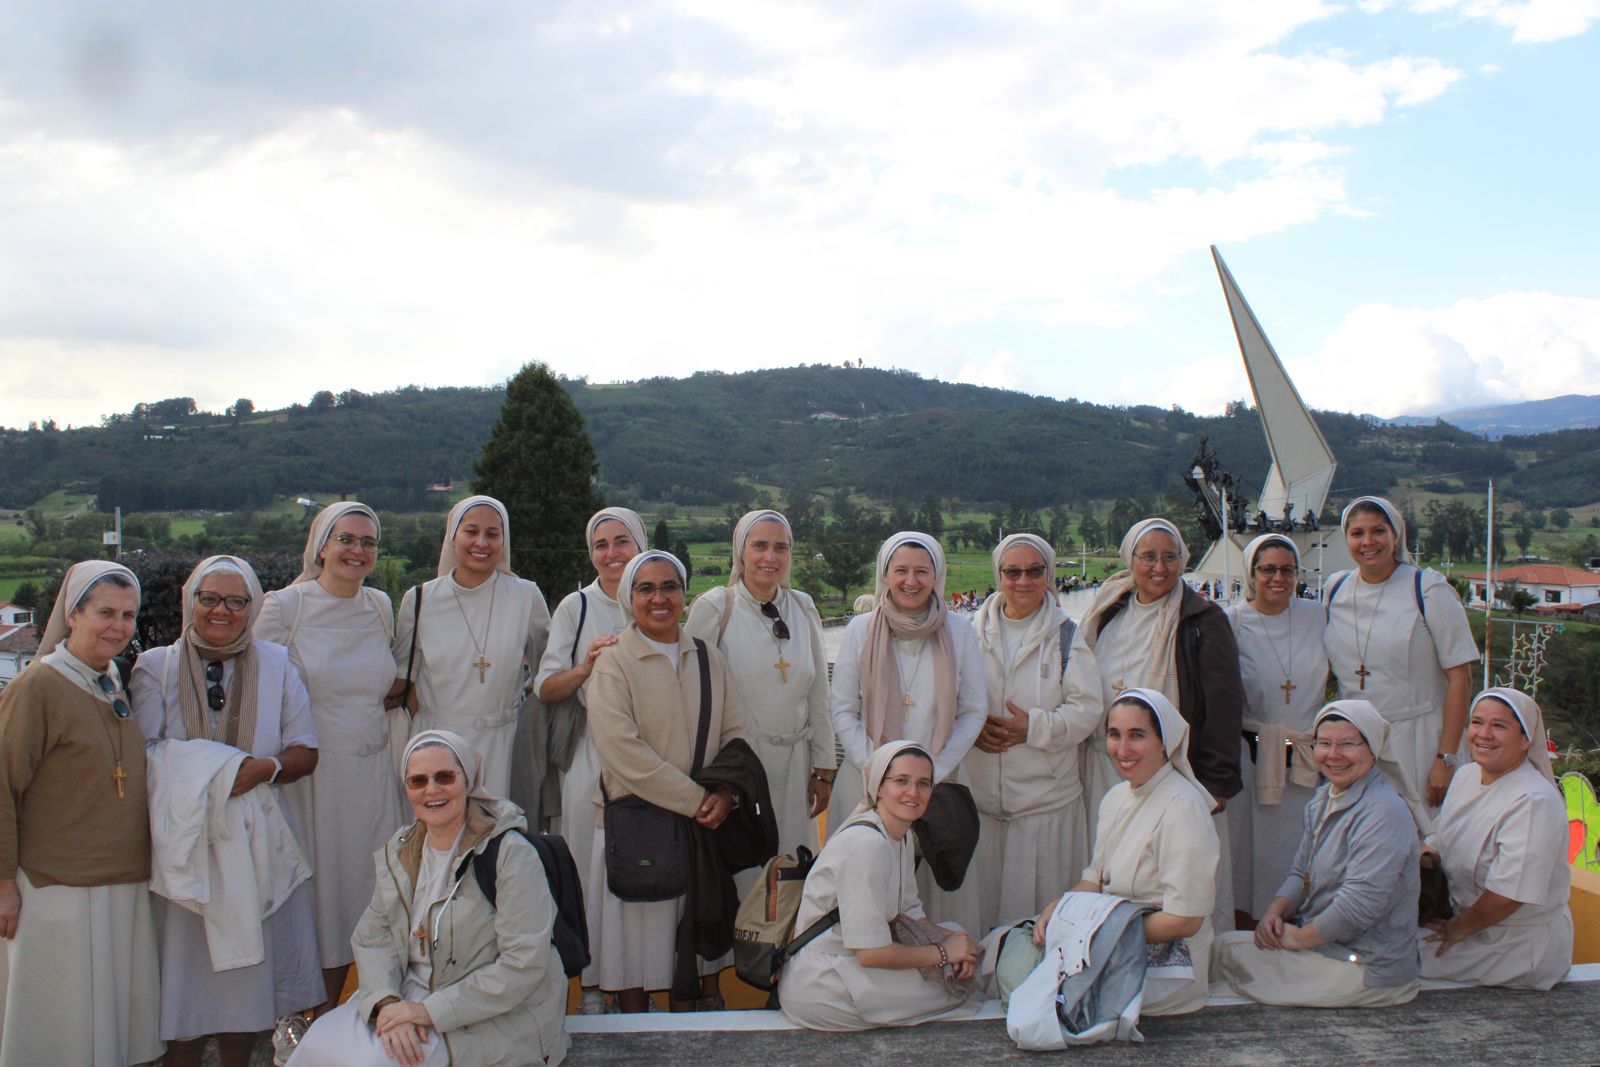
{"x":853,"y":976}
{"x":1341,"y":933}
{"x":1502,"y":837}
{"x":445,"y":976}
{"x":1155,"y":843}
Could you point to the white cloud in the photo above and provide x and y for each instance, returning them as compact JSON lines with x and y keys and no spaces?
{"x":1000,"y":371}
{"x":1513,"y":346}
{"x":1530,"y":21}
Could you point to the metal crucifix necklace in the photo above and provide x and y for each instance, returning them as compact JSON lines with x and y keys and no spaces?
{"x":482,"y":662}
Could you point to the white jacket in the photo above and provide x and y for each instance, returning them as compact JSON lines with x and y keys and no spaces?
{"x":231,"y":860}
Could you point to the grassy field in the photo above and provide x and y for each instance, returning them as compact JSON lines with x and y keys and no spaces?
{"x":8,"y":586}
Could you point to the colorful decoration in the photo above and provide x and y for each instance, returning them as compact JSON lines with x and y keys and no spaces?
{"x":1583,"y":821}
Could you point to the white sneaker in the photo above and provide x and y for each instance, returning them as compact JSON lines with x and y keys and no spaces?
{"x":593,"y":1003}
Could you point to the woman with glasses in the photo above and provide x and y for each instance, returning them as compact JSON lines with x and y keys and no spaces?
{"x":218,"y":683}
{"x":460,"y":653}
{"x":644,"y":714}
{"x":1501,"y":837}
{"x":1342,"y":930}
{"x":1149,"y":630}
{"x":1285,"y":674}
{"x":1397,"y":636}
{"x":75,"y":841}
{"x":771,"y":636}
{"x":852,"y":974}
{"x":446,"y":976}
{"x":337,"y":630}
{"x":1044,"y":700}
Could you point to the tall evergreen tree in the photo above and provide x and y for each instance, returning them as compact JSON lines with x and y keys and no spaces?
{"x":539,"y":462}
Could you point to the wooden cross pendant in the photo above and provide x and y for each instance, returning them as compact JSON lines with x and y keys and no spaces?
{"x":482,"y":665}
{"x":783,"y":666}
{"x":117,"y":776}
{"x":907,"y":701}
{"x":1118,"y":688}
{"x":1287,"y":687}
{"x":1361,"y":673}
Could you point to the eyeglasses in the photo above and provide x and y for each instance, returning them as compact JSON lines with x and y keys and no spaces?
{"x":443,"y":779}
{"x":215,"y":697}
{"x":118,"y":705}
{"x":1344,"y":748}
{"x":367,"y":544}
{"x":780,"y":629}
{"x":905,"y":781}
{"x":650,"y":589}
{"x":211,"y":600}
{"x":1150,"y":559}
{"x":1013,"y":574}
{"x":1268,"y":571}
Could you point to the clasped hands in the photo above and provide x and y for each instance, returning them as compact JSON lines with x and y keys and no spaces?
{"x":402,"y":1027}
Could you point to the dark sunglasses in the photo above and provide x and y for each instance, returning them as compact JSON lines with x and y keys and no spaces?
{"x":1012,"y":574}
{"x":118,"y":705}
{"x":780,"y":629}
{"x":215,"y":697}
{"x":444,"y":779}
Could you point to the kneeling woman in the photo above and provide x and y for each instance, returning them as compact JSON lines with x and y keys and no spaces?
{"x":445,"y":976}
{"x":1155,"y":843}
{"x":1352,"y":887}
{"x":853,"y":976}
{"x":1502,"y":837}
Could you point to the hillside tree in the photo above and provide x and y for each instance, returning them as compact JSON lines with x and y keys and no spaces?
{"x":539,"y":462}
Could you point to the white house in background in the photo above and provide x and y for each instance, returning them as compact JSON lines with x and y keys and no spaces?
{"x":18,"y":641}
{"x":1556,"y":589}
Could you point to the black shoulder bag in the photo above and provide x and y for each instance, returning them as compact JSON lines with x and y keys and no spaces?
{"x":647,"y":848}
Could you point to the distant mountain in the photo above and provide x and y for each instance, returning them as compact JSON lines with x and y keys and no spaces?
{"x":715,"y":438}
{"x":1570,"y":412}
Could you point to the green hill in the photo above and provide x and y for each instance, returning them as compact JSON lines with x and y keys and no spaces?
{"x":712,"y":437}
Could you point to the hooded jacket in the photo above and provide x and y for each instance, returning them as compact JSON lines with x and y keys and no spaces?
{"x":498,"y":995}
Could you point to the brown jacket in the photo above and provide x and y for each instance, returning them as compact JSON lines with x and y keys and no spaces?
{"x":644,"y":718}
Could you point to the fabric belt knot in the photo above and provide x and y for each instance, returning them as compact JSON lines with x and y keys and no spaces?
{"x":790,"y":739}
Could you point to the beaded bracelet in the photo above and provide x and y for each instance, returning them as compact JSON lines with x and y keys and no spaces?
{"x":944,"y":957}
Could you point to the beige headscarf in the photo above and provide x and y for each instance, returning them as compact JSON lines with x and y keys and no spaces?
{"x":628,"y":518}
{"x":1528,"y":714}
{"x":630,"y":574}
{"x":1174,"y":732}
{"x":236,"y":726}
{"x":877,"y":768}
{"x":1375,"y":729}
{"x":322,"y":529}
{"x":1397,"y":522}
{"x":1265,"y":541}
{"x":881,"y":693}
{"x":75,"y":585}
{"x":1042,"y":622}
{"x":741,"y":534}
{"x":1161,"y":651}
{"x":466,"y":758}
{"x":447,"y":551}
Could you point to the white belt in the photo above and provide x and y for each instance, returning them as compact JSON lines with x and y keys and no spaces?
{"x":789,"y":740}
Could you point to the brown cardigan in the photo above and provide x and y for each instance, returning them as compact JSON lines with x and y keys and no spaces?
{"x":643,"y":718}
{"x":61,"y":820}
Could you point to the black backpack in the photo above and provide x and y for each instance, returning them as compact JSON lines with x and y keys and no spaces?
{"x":570,"y":934}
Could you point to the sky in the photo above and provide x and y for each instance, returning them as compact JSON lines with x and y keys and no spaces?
{"x":266,"y":200}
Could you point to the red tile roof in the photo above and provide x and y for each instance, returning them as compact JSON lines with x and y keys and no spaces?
{"x":1542,"y":574}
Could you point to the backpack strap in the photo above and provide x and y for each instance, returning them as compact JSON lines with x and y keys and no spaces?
{"x":723,"y":613}
{"x":705,"y":707}
{"x":1068,"y":630}
{"x":583,"y":613}
{"x":485,"y":865}
{"x":826,"y":922}
{"x":411,"y":660}
{"x":1422,"y":608}
{"x":1327,"y":601}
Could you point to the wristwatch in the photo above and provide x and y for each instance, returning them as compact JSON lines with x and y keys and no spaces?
{"x":1448,"y":757}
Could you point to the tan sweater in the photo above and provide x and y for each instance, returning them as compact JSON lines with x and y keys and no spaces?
{"x":60,"y":818}
{"x":644,"y":720}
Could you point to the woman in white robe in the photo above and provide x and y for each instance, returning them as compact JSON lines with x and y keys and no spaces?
{"x":911,"y":670}
{"x":1341,"y":933}
{"x":480,"y":625}
{"x":771,"y":636}
{"x":852,"y":975}
{"x":338,"y":630}
{"x":1502,"y":837}
{"x":1285,"y":673}
{"x":1409,"y":656}
{"x":584,"y":625}
{"x":1150,"y":630}
{"x":1044,"y":700}
{"x":218,"y":683}
{"x":1155,"y":844}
